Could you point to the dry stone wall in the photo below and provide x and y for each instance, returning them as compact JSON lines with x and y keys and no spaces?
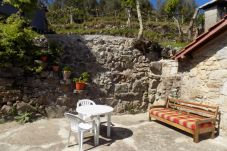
{"x":121,"y":76}
{"x":204,"y":75}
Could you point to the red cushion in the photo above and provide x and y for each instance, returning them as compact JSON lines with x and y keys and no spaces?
{"x":180,"y":118}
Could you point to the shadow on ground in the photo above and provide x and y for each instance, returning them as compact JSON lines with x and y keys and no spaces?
{"x":117,"y":133}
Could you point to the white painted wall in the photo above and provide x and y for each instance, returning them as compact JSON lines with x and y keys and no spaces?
{"x":211,"y":17}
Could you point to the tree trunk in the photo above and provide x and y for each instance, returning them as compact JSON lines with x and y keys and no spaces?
{"x":115,"y":18}
{"x":71,"y":18}
{"x":178,"y":26}
{"x":129,"y":12}
{"x":62,"y":4}
{"x":182,"y":19}
{"x":149,"y":17}
{"x":196,"y":33}
{"x":190,"y":28}
{"x":140,"y":34}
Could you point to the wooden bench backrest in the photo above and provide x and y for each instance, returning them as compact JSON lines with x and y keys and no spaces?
{"x":192,"y":107}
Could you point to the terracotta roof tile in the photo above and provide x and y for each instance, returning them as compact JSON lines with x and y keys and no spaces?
{"x":203,"y":38}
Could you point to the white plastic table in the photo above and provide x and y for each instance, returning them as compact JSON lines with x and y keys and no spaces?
{"x":97,"y":110}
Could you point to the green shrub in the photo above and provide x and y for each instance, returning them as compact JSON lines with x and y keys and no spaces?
{"x":2,"y":121}
{"x":24,"y":118}
{"x":67,"y":68}
{"x":84,"y":77}
{"x":16,"y":43}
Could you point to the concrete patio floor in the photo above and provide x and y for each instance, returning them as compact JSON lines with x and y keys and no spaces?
{"x":129,"y":133}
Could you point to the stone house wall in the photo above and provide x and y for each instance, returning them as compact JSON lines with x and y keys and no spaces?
{"x":204,"y":75}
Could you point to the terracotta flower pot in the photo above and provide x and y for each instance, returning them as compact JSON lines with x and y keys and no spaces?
{"x":55,"y":68}
{"x":66,"y":75}
{"x":44,"y":58}
{"x":80,"y":86}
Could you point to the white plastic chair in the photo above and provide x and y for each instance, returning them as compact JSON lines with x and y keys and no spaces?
{"x":85,"y":102}
{"x":80,"y":126}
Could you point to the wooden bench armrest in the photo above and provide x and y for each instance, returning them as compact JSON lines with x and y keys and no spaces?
{"x":207,"y":120}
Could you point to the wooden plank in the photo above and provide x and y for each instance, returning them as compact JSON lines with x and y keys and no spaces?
{"x":193,"y":109}
{"x":205,"y":130}
{"x":157,"y":106}
{"x":167,"y":103}
{"x":193,"y":103}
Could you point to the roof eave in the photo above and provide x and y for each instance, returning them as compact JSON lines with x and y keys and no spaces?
{"x":202,"y":39}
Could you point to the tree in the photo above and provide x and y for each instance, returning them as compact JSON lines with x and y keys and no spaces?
{"x":23,"y":6}
{"x":91,"y":6}
{"x":190,"y":28}
{"x":175,"y":8}
{"x":65,"y":11}
{"x":101,"y":5}
{"x":147,"y":8}
{"x":16,"y":44}
{"x":128,"y":4}
{"x":187,"y":9}
{"x":140,"y":34}
{"x":109,"y":6}
{"x":146,"y":5}
{"x":158,"y":5}
{"x":56,"y":4}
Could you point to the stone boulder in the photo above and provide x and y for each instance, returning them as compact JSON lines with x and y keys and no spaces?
{"x":6,"y":110}
{"x":55,"y":111}
{"x":25,"y":107}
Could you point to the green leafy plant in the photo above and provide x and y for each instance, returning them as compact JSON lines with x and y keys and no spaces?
{"x":24,"y":6}
{"x":24,"y":118}
{"x":2,"y":121}
{"x":13,"y":111}
{"x":56,"y":62}
{"x":55,"y":52}
{"x":16,"y":43}
{"x":39,"y":69}
{"x":67,"y":68}
{"x":44,"y":53}
{"x":84,"y":77}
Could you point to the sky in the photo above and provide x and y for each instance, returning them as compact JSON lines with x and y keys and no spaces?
{"x":199,"y":2}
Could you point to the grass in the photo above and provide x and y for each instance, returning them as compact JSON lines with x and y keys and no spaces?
{"x":163,"y":32}
{"x":174,"y":44}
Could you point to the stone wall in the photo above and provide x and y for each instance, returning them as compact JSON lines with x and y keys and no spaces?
{"x":170,"y":82}
{"x":204,"y":75}
{"x":121,"y":76}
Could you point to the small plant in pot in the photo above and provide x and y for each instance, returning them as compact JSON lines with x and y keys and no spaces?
{"x":67,"y":72}
{"x":44,"y":55}
{"x":81,"y":81}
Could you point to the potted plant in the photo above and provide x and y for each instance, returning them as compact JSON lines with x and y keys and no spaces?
{"x":81,"y":81}
{"x":67,"y":72}
{"x":44,"y":55}
{"x":55,"y":53}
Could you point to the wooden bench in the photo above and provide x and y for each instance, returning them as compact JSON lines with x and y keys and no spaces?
{"x":194,"y":118}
